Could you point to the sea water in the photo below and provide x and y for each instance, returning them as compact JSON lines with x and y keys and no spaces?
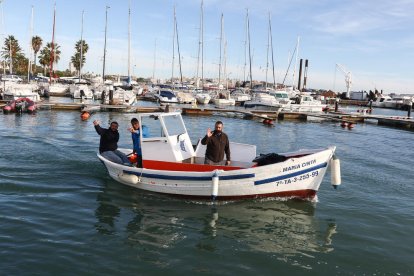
{"x":62,"y":214}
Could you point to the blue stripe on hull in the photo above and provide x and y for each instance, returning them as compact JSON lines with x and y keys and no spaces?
{"x":286,"y":176}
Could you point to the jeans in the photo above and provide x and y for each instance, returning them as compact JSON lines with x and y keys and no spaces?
{"x":116,"y":156}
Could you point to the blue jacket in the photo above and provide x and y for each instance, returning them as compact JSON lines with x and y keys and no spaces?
{"x":136,"y":139}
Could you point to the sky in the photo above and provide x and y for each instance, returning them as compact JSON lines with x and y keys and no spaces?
{"x":372,"y":39}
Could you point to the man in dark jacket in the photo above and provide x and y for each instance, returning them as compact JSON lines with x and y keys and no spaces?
{"x":108,"y":144}
{"x":217,"y":144}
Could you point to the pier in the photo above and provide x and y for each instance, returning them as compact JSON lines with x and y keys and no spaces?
{"x":267,"y":117}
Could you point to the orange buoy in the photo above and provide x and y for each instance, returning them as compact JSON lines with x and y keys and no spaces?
{"x":133,"y":158}
{"x":85,"y":115}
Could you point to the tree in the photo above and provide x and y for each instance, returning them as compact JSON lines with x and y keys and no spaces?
{"x":76,"y":58}
{"x":12,"y":50}
{"x":45,"y":57}
{"x":36,"y":45}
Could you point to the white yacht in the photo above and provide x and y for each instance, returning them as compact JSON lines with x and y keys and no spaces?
{"x":58,"y":89}
{"x":263,"y":100}
{"x":203,"y":98}
{"x":185,"y":97}
{"x":119,"y":96}
{"x":80,"y":91}
{"x":166,"y":96}
{"x":305,"y":103}
{"x":223,"y":98}
{"x":380,"y":101}
{"x":395,"y":102}
{"x":13,"y":92}
{"x":240,"y":95}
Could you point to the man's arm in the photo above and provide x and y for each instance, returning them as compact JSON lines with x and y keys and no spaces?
{"x":98,"y":128}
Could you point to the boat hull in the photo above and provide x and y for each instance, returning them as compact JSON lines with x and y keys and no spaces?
{"x":297,"y":177}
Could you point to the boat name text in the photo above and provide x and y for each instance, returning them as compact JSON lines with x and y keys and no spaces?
{"x":298,"y":166}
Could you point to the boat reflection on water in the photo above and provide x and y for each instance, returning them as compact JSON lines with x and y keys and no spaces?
{"x":283,"y":228}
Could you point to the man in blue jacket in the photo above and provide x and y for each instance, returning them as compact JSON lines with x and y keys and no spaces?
{"x":136,"y":139}
{"x":108,"y":145}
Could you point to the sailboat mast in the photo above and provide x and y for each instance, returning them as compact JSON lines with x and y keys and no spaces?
{"x":267,"y":52}
{"x":52,"y":50}
{"x":173,"y":56}
{"x":221,"y":43}
{"x":250,"y":54}
{"x":245,"y":51}
{"x":225,"y":63}
{"x":199,"y":50}
{"x":271,"y":48}
{"x":104,"y":55}
{"x":155,"y":58}
{"x":2,"y":29}
{"x":81,"y":50}
{"x":202,"y":45}
{"x":129,"y":43}
{"x":178,"y":49}
{"x":29,"y":65}
{"x":296,"y":62}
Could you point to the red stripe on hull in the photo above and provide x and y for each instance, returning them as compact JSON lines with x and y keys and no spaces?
{"x":184,"y":167}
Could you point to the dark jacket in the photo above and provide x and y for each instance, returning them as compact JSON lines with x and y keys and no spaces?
{"x":217,"y":145}
{"x":109,"y":139}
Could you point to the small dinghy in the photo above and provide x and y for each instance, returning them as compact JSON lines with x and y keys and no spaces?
{"x":172,"y":165}
{"x":21,"y":105}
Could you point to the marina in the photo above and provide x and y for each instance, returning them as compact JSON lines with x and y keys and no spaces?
{"x":80,"y":208}
{"x":206,"y":138}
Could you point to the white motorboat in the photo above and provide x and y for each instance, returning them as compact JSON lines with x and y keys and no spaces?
{"x":203,"y":98}
{"x":185,"y":97}
{"x":281,"y":96}
{"x":166,"y":96}
{"x":16,"y":91}
{"x":223,"y":98}
{"x":305,"y":103}
{"x":380,"y":101}
{"x":172,"y":166}
{"x":118,"y":97}
{"x":395,"y":102}
{"x":58,"y":89}
{"x":240,"y":96}
{"x":263,"y":100}
{"x":80,"y":91}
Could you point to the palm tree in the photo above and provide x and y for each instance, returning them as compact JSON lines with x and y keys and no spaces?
{"x":45,"y":56}
{"x":77,"y":56}
{"x":36,"y":45}
{"x":11,"y":49}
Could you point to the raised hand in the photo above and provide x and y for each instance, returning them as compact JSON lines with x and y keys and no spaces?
{"x":96,"y":122}
{"x":209,"y":133}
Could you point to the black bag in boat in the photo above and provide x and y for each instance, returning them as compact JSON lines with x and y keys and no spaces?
{"x":270,"y":158}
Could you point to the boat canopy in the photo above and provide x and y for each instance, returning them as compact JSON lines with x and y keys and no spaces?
{"x":168,"y":140}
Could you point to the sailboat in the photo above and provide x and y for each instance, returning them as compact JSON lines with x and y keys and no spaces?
{"x":203,"y":97}
{"x":222,"y":95}
{"x":121,"y":95}
{"x":81,"y":90}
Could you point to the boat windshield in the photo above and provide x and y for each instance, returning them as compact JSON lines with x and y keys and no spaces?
{"x":174,"y":125}
{"x":154,"y":123}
